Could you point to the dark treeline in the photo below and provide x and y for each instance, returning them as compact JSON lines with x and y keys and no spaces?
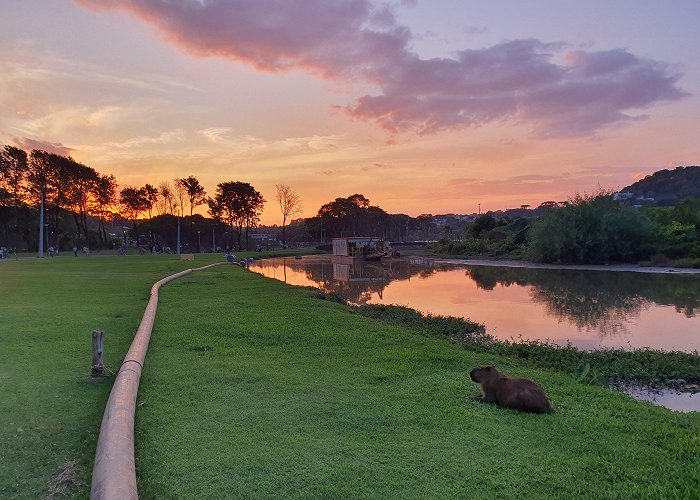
{"x":82,"y":208}
{"x":593,"y":229}
{"x":355,"y":216}
{"x":86,"y":209}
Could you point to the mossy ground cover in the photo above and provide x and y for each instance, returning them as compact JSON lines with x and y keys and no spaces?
{"x":255,"y":389}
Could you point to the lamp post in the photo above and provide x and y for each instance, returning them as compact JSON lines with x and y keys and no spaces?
{"x":178,"y":232}
{"x":213,"y":240}
{"x":199,"y":241}
{"x":41,"y":227}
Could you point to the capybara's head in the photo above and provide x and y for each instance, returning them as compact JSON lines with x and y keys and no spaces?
{"x":480,"y":372}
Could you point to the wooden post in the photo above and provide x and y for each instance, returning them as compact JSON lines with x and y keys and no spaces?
{"x":98,"y":365}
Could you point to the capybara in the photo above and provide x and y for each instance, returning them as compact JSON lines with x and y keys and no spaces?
{"x":510,"y":392}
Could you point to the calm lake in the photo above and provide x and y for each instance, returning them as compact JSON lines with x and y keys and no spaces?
{"x":589,"y":309}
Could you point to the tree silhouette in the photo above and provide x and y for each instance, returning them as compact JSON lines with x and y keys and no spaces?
{"x":195,"y":192}
{"x":79,"y":189}
{"x":239,"y":205}
{"x":290,"y":204}
{"x":166,"y":202}
{"x":105,"y":196}
{"x":133,"y":201}
{"x":13,"y":171}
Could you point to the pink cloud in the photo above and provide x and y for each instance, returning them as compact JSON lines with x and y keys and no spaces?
{"x":356,"y":40}
{"x":28,"y":144}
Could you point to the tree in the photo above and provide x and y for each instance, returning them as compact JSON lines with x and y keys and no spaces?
{"x":289,"y":203}
{"x":482,"y":224}
{"x":180,"y":194}
{"x":79,"y":186}
{"x":13,"y":171}
{"x":592,"y":229}
{"x":687,"y":211}
{"x":105,"y":196}
{"x":239,"y":205}
{"x":349,"y":216}
{"x":133,"y":201}
{"x":41,"y":177}
{"x":195,"y":192}
{"x":166,"y":203}
{"x":151,"y":195}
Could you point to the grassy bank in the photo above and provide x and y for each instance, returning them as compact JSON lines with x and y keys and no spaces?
{"x":50,"y":410}
{"x":252,"y":388}
{"x":601,"y":366}
{"x":273,"y":392}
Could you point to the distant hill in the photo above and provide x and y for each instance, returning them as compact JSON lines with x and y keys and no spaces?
{"x":667,"y":186}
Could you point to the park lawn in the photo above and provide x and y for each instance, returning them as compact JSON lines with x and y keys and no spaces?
{"x":50,"y":409}
{"x":252,"y":388}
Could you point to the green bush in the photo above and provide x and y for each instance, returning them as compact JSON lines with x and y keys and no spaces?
{"x":592,"y":229}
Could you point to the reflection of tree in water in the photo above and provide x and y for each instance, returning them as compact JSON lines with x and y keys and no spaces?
{"x":355,"y":282}
{"x":588,"y":304}
{"x":595,"y":300}
{"x":592,"y":300}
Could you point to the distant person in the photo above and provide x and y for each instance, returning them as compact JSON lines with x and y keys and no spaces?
{"x":2,"y":252}
{"x":75,"y":250}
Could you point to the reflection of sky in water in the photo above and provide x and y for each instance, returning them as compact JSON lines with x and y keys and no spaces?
{"x":589,"y":309}
{"x":679,"y":401}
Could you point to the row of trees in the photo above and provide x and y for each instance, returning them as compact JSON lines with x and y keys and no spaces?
{"x":55,"y":183}
{"x":355,"y":215}
{"x":589,"y":229}
{"x":46,"y":190}
{"x":80,"y":203}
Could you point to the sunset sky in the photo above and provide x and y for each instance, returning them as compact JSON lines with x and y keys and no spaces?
{"x":422,"y":106}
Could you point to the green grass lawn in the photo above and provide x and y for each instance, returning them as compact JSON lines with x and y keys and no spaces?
{"x":256,"y":389}
{"x":253,"y":389}
{"x":50,"y":410}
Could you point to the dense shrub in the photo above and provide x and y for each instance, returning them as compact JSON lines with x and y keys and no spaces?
{"x":488,"y":237}
{"x":592,"y":229}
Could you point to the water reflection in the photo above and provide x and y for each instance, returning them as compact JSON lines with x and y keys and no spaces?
{"x":588,"y":308}
{"x":593,"y":300}
{"x":675,"y":400}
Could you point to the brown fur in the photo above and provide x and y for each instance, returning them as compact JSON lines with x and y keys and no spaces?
{"x":510,"y":392}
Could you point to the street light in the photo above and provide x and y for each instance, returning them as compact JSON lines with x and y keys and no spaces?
{"x":199,"y":241}
{"x":41,"y":227}
{"x":179,"y":215}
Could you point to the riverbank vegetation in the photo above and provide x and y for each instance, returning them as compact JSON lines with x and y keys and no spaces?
{"x":602,"y":366}
{"x":589,"y":229}
{"x":255,"y":388}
